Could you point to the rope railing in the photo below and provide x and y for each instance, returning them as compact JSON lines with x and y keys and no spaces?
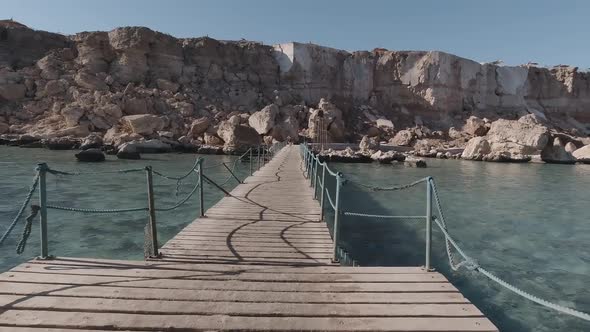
{"x":262,"y":153}
{"x":433,"y":203}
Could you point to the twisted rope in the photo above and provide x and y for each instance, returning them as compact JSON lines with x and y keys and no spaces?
{"x":97,"y":211}
{"x":20,"y":247}
{"x":177,"y":178}
{"x":393,"y":188}
{"x":181,"y":202}
{"x":22,"y":209}
{"x":330,"y":200}
{"x":121,"y":171}
{"x":379,"y":216}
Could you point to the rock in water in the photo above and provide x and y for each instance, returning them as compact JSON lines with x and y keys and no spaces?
{"x":128,"y":151}
{"x":556,"y":153}
{"x":582,"y":154}
{"x":415,"y":162}
{"x":90,"y":155}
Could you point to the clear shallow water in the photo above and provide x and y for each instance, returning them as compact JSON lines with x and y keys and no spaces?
{"x":117,"y":236}
{"x":527,"y":223}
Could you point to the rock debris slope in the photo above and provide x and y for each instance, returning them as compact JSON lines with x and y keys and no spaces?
{"x":135,"y":84}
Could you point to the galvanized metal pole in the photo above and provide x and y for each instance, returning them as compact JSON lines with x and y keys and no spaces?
{"x":200,"y":183}
{"x":339,"y":180}
{"x":152,"y":212}
{"x":258,"y":158}
{"x":250,"y":161}
{"x":42,"y":170}
{"x":323,"y":192}
{"x":427,"y":263}
{"x":315,"y":181}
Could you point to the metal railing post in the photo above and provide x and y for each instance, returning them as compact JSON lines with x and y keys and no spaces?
{"x":315,"y":180}
{"x":339,"y":180}
{"x":323,"y":192}
{"x":200,"y":184}
{"x":42,"y":170}
{"x":258,"y":155}
{"x":152,"y":212}
{"x":250,"y":161}
{"x":427,"y":262}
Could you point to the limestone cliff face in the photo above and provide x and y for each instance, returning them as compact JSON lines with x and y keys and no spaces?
{"x":56,"y":85}
{"x":440,"y":87}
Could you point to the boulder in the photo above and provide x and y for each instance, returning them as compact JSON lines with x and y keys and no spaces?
{"x":582,"y":154}
{"x":264,"y":120}
{"x":128,"y":151}
{"x":61,"y":143}
{"x":384,"y":123}
{"x":163,"y":84}
{"x":90,"y":155}
{"x":135,"y":105}
{"x":146,"y":146}
{"x":198,"y":127}
{"x":367,"y":144}
{"x":476,"y":149}
{"x":403,"y":138}
{"x":570,"y":147}
{"x":72,"y":115}
{"x":238,"y":136}
{"x":475,"y":126}
{"x":12,"y":91}
{"x":55,"y":87}
{"x":388,"y":157}
{"x":93,"y":141}
{"x":143,"y":124}
{"x":415,"y":162}
{"x":90,"y":81}
{"x":516,"y":141}
{"x":555,"y":153}
{"x":212,"y":140}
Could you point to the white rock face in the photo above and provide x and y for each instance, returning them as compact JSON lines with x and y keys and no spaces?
{"x":475,"y":126}
{"x":403,"y":138}
{"x":264,"y":120}
{"x":517,"y":137}
{"x":476,"y":148}
{"x":146,"y":146}
{"x":582,"y":154}
{"x":143,"y":124}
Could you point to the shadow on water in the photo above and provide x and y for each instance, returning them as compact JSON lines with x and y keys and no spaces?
{"x":401,"y":242}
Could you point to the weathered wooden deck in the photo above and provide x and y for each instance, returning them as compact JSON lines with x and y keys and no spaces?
{"x":260,"y":260}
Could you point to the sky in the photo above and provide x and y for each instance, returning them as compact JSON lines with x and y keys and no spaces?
{"x":516,"y":32}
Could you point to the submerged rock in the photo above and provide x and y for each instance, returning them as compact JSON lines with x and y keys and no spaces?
{"x":415,"y":162}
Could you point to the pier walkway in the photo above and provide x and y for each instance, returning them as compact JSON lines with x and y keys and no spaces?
{"x":260,"y":260}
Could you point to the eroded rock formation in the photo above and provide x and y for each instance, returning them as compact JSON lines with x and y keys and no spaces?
{"x":134,"y":84}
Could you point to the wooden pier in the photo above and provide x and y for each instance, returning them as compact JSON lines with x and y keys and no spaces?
{"x":259,"y":261}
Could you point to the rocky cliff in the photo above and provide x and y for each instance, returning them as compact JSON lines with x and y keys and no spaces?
{"x":133,"y":83}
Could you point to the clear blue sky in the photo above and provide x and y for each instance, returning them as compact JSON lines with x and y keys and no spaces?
{"x":548,"y":32}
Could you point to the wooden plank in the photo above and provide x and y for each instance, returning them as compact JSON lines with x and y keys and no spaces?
{"x":63,"y":262}
{"x":237,"y":309}
{"x":383,"y":287}
{"x":151,"y":321}
{"x":9,"y":288}
{"x":288,"y":275}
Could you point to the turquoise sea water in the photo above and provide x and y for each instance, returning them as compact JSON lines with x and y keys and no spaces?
{"x":528,"y":223}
